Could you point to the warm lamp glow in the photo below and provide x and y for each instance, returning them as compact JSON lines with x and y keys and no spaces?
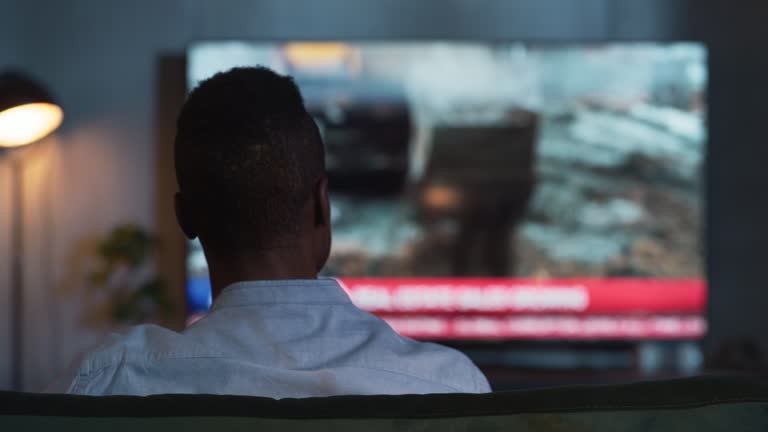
{"x":25,"y":124}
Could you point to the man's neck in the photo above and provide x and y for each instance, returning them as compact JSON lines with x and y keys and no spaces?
{"x":273,"y":264}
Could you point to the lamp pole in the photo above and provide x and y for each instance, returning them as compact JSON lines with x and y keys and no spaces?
{"x":27,"y":114}
{"x":17,"y":274}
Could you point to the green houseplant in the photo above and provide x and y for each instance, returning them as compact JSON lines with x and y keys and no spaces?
{"x":123,"y":274}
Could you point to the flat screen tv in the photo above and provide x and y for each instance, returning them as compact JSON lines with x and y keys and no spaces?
{"x":504,"y":191}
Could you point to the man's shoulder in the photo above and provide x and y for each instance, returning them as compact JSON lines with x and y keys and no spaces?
{"x":427,"y":361}
{"x":141,"y":343}
{"x":442,"y":364}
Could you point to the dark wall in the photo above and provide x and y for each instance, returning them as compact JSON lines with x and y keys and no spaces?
{"x":737,"y":170}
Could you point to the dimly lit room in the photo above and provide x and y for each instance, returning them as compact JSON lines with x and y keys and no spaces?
{"x":390,"y":214}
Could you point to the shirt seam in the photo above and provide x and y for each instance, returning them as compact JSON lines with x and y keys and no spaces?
{"x":334,"y":290}
{"x":283,"y":283}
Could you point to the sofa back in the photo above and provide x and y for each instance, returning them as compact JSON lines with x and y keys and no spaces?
{"x":713,"y":403}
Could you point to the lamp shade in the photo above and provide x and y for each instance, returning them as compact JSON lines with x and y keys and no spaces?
{"x":27,"y":111}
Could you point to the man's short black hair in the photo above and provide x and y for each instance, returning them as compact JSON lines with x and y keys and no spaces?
{"x":248,"y":157}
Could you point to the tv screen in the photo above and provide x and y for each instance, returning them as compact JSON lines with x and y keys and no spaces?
{"x":504,"y":191}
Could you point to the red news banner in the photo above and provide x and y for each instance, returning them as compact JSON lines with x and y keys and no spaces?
{"x":508,"y":308}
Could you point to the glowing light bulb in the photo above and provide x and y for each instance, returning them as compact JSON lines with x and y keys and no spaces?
{"x":25,"y":124}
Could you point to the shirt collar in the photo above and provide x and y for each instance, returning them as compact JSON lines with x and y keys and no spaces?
{"x":296,"y":291}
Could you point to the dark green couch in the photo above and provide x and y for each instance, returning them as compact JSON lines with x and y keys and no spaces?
{"x":714,"y":403}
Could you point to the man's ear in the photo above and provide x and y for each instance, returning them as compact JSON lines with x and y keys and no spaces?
{"x":184,"y":216}
{"x":322,"y":203}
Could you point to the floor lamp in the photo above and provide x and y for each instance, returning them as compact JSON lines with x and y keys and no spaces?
{"x":27,"y":114}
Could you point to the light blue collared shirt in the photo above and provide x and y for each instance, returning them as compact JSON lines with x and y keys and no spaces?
{"x":289,"y":338}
